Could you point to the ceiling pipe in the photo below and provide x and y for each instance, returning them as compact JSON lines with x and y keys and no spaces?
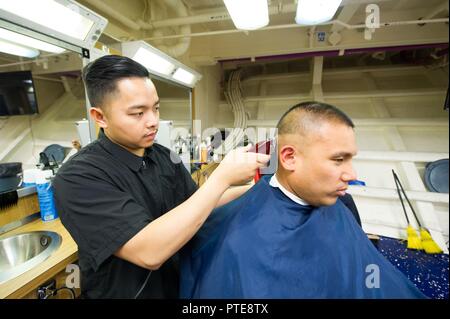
{"x":213,"y":16}
{"x":393,"y":23}
{"x":203,"y":18}
{"x":442,"y":8}
{"x":183,"y":44}
{"x":293,"y":25}
{"x":176,"y":5}
{"x":113,"y":13}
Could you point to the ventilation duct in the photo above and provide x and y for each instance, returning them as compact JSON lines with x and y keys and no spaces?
{"x":183,"y":44}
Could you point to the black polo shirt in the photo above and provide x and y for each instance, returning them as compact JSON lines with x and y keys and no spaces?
{"x":105,"y":195}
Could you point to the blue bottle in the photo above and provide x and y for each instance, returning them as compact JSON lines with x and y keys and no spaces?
{"x":45,"y":195}
{"x":29,"y":177}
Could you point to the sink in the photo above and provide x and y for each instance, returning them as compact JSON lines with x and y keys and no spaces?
{"x":22,"y":252}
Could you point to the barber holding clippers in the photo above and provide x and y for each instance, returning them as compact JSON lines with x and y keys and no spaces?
{"x":127,"y":205}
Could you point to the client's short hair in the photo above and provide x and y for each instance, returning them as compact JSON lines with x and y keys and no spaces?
{"x":299,"y":118}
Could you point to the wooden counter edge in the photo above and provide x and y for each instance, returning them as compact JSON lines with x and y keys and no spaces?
{"x":39,"y":280}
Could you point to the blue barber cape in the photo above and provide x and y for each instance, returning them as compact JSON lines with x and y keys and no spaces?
{"x":264,"y":245}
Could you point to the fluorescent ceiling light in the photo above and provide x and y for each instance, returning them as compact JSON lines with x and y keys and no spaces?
{"x":310,"y":12}
{"x":16,"y":49}
{"x":184,"y":76}
{"x":29,"y":42}
{"x":160,"y":64}
{"x":248,"y":14}
{"x":51,"y":14}
{"x":153,"y":61}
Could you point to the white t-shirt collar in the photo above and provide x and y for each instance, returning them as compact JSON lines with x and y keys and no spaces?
{"x":275,"y":183}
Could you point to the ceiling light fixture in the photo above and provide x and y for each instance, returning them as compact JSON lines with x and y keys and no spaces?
{"x":153,"y":61}
{"x":160,"y":64}
{"x":248,"y":14}
{"x":29,"y":42}
{"x":51,"y":14}
{"x":184,"y":76}
{"x":16,"y":49}
{"x":62,"y":23}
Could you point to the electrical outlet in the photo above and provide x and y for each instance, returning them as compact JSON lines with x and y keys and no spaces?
{"x":47,"y":289}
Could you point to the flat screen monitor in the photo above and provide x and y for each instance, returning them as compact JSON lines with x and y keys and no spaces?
{"x":17,"y":94}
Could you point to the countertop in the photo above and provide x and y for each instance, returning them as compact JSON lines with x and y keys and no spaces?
{"x":65,"y":254}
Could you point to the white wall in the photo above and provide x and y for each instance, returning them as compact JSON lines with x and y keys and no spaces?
{"x":207,"y":95}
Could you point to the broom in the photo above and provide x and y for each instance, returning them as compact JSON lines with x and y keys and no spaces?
{"x":413,"y":240}
{"x":428,"y":244}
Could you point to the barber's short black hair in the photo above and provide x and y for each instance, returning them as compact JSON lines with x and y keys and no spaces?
{"x":314,"y":110}
{"x":100,"y":76}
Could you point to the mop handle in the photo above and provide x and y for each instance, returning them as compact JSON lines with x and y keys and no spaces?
{"x":409,"y":203}
{"x":401,"y":199}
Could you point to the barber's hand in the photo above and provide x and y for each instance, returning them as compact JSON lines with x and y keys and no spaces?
{"x":239,"y":166}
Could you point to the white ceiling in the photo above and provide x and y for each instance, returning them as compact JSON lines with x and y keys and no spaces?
{"x":124,"y":16}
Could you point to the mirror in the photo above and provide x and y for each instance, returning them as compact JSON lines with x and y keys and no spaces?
{"x":61,"y":102}
{"x":175,"y":103}
{"x":60,"y":99}
{"x":175,"y":118}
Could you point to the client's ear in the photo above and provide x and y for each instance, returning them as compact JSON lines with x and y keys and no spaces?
{"x":99,"y":116}
{"x":287,"y":157}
